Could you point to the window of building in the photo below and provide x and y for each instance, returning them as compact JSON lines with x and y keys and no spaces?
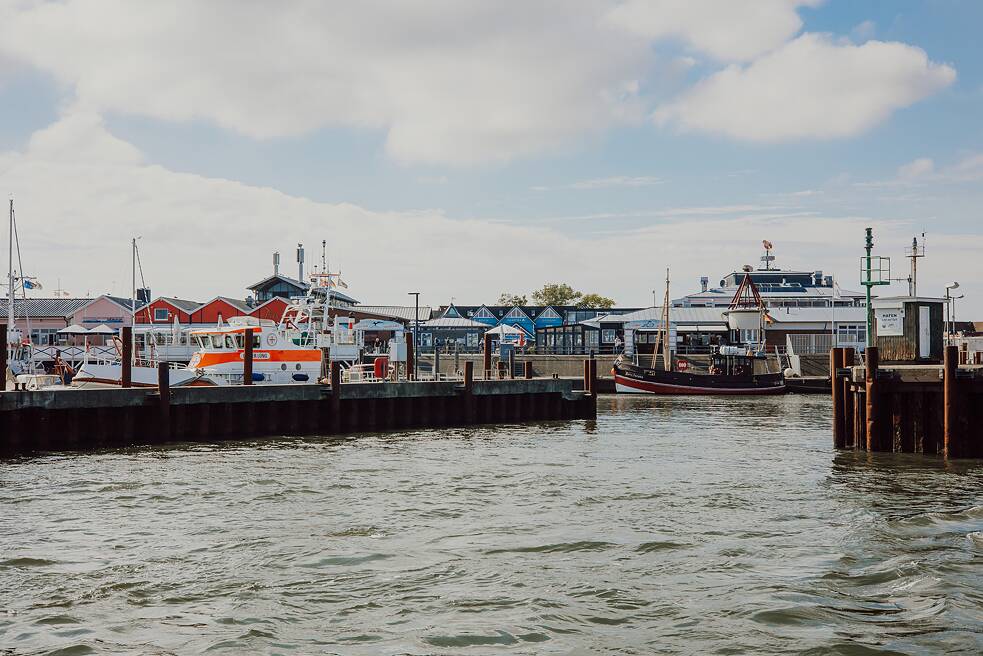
{"x":608,"y":335}
{"x":160,"y":314}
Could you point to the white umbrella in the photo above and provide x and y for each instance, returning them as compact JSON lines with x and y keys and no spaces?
{"x":505,"y":329}
{"x":74,"y":329}
{"x":102,"y":329}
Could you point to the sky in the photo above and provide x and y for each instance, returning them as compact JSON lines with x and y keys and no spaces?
{"x":463,"y":149}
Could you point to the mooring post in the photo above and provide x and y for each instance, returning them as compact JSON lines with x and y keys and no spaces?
{"x":335,"y":424}
{"x":410,"y":356}
{"x":457,"y":357}
{"x":953,"y":436}
{"x":846,"y":397}
{"x":469,"y":392}
{"x":436,"y":362}
{"x":511,"y":364}
{"x":3,"y":357}
{"x":126,"y":378}
{"x":164,"y":389}
{"x":487,"y":362}
{"x":247,"y":359}
{"x":873,"y":421}
{"x":527,"y":369}
{"x":835,"y":363}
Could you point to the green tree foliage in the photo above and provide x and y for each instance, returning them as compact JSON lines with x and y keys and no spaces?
{"x":510,"y":299}
{"x":555,"y":293}
{"x":595,"y":302}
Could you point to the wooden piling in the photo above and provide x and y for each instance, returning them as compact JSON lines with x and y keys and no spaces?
{"x":488,"y":358}
{"x":848,"y":359}
{"x":335,"y":423}
{"x":164,"y":390}
{"x":436,"y":362}
{"x":511,"y":364}
{"x":836,"y":385}
{"x":126,"y":378}
{"x":469,"y":414}
{"x":527,"y":370}
{"x":3,"y":357}
{"x":247,"y":359}
{"x":873,"y":389}
{"x":953,"y":446}
{"x":410,"y":356}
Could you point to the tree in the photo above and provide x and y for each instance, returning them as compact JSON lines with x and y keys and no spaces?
{"x":510,"y":299}
{"x":555,"y":293}
{"x":595,"y":302}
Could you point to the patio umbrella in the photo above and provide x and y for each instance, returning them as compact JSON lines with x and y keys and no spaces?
{"x":74,"y":329}
{"x":102,"y":329}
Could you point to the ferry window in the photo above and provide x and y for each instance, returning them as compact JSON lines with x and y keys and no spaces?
{"x":240,"y":341}
{"x":230,"y":341}
{"x":216,"y":341}
{"x":257,"y":342}
{"x":203,"y":341}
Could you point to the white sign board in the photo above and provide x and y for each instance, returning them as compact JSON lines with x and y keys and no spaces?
{"x":890,"y":321}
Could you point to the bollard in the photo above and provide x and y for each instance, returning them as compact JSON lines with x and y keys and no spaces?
{"x":3,"y":357}
{"x":164,"y":390}
{"x":126,"y":378}
{"x":839,"y":420}
{"x":488,"y":358}
{"x":247,"y":359}
{"x":873,"y":421}
{"x":527,"y":370}
{"x":846,"y":398}
{"x":953,"y":437}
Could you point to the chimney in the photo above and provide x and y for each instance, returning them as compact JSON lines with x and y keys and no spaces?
{"x":276,"y":264}
{"x":300,"y":262}
{"x":704,"y":283}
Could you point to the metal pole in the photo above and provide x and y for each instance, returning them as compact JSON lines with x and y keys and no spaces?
{"x":870,"y":314}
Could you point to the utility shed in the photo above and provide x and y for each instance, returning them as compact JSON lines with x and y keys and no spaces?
{"x":908,"y":329}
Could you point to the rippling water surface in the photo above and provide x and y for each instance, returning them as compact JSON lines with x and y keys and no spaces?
{"x":668,"y":525}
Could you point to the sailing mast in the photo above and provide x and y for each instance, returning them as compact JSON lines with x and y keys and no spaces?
{"x":10,"y":275}
{"x":662,"y":337}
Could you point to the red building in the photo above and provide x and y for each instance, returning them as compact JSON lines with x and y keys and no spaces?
{"x":165,"y":310}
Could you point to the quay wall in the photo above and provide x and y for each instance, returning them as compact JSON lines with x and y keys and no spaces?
{"x":927,"y":409}
{"x":85,"y":419}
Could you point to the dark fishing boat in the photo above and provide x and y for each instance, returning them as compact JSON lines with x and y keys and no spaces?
{"x":731,"y":369}
{"x":727,"y":374}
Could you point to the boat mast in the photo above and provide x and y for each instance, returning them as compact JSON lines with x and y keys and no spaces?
{"x":665,"y":322}
{"x":133,"y":301}
{"x":10,"y":273}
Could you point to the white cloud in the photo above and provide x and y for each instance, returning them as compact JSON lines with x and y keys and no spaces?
{"x":811,"y":88}
{"x":864,"y":31}
{"x":735,"y":30}
{"x":918,"y":168}
{"x":206,"y":236}
{"x":608,"y":183}
{"x":453,"y":81}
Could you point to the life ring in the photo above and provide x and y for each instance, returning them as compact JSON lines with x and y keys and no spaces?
{"x":271,"y":339}
{"x":682,"y":365}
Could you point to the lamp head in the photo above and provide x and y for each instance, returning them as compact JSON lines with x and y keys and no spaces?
{"x":952,"y":285}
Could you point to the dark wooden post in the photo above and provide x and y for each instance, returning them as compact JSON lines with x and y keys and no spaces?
{"x":126,"y":378}
{"x":511,"y":364}
{"x":527,"y":369}
{"x":487,"y":362}
{"x":846,"y":398}
{"x":953,"y":436}
{"x":164,"y":389}
{"x":410,"y":356}
{"x":839,"y":420}
{"x":3,"y":357}
{"x":335,"y":397}
{"x":247,"y":359}
{"x":436,"y":362}
{"x":873,"y":421}
{"x":469,"y":392}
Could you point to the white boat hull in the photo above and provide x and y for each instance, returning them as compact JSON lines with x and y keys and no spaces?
{"x":91,"y":375}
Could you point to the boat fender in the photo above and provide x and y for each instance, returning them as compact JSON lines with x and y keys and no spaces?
{"x":301,"y":378}
{"x":257,"y":378}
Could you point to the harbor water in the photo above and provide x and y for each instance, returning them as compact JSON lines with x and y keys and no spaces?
{"x":668,"y":525}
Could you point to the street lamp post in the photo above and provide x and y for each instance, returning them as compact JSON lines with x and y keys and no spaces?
{"x":948,"y":309}
{"x":416,"y":335}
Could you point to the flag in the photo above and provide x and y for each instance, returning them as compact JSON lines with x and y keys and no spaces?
{"x":837,"y":292}
{"x":342,"y":283}
{"x":31,"y":284}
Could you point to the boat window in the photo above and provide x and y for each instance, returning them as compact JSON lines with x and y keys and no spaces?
{"x":240,"y":341}
{"x":230,"y":341}
{"x":257,"y":342}
{"x":216,"y":341}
